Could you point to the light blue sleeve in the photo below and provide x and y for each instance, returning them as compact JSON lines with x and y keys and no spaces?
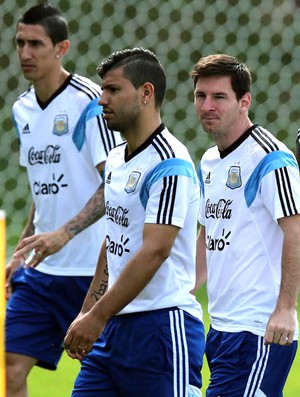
{"x":272,"y":161}
{"x":92,"y":110}
{"x":200,"y":177}
{"x":169,"y":167}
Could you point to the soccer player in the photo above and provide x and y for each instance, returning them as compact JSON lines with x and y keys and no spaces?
{"x":64,"y":142}
{"x":249,"y":238}
{"x":145,"y":335}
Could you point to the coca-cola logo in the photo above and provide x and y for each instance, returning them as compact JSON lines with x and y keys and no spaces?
{"x":219,"y":210}
{"x":45,"y":156}
{"x":117,"y":215}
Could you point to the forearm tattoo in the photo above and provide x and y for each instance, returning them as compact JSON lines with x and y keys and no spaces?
{"x":28,"y":232}
{"x":93,"y":211}
{"x":98,"y":293}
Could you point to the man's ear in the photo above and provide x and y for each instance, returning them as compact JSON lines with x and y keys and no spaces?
{"x":147,"y":92}
{"x":245,"y":102}
{"x":62,"y":48}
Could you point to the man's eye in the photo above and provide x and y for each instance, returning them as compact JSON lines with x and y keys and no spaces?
{"x":20,"y":43}
{"x":35,"y":43}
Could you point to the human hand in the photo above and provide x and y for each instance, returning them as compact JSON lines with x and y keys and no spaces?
{"x":82,"y":334}
{"x":43,"y":245}
{"x":10,"y":269}
{"x":281,"y":327}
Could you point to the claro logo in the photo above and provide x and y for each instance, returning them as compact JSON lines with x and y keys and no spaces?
{"x":117,"y":247}
{"x":45,"y":188}
{"x":219,"y":243}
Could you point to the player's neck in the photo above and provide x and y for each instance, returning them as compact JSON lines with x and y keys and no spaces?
{"x":137,"y":136}
{"x":227,"y":137}
{"x":46,"y":87}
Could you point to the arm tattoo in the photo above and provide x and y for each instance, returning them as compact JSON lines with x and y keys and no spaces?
{"x":28,"y":232}
{"x":93,"y":211}
{"x":97,"y":294}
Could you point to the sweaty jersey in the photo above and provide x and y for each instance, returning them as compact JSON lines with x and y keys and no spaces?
{"x":244,"y":191}
{"x":61,"y":143}
{"x":156,"y":184}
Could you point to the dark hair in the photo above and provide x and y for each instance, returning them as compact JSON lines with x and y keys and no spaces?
{"x":50,"y":18}
{"x":224,"y":65}
{"x":139,"y":66}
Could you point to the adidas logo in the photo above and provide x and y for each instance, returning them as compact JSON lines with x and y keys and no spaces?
{"x":207,"y":179}
{"x":108,"y":179}
{"x":26,"y":129}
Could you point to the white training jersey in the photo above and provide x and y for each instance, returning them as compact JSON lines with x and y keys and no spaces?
{"x":244,"y":190}
{"x":61,"y":143}
{"x":156,"y":184}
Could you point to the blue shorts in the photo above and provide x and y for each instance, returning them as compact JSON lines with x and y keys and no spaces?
{"x":242,"y":366}
{"x":39,"y":313}
{"x":151,"y":354}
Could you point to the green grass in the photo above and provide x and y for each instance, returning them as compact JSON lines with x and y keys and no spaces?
{"x":43,"y":383}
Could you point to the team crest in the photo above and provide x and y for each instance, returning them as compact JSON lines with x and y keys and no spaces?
{"x":132,"y":182}
{"x":60,"y":126}
{"x":234,"y":179}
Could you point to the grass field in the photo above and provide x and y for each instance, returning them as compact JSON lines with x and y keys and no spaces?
{"x":43,"y":383}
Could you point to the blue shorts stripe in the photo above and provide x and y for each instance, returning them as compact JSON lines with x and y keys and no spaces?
{"x":180,"y":353}
{"x":258,"y":368}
